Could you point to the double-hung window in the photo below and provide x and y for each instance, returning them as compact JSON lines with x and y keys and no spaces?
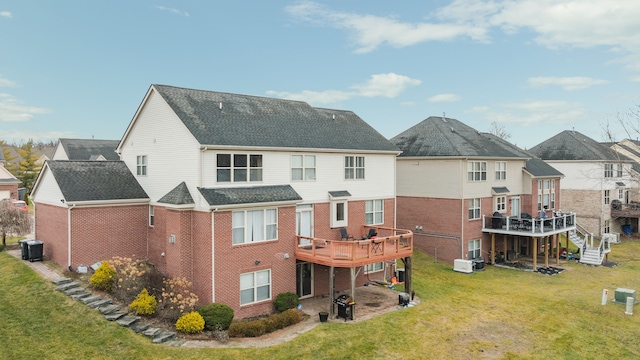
{"x":607,"y":197}
{"x":608,"y":170}
{"x":303,"y":167}
{"x":254,"y":225}
{"x":353,"y":167}
{"x":375,"y":267}
{"x":474,"y":249}
{"x":374,"y":212}
{"x":238,"y":167}
{"x":501,"y":203}
{"x":141,"y":165}
{"x":501,"y":170}
{"x":477,"y":171}
{"x":474,"y":208}
{"x":618,"y":170}
{"x":255,"y":287}
{"x":151,"y":215}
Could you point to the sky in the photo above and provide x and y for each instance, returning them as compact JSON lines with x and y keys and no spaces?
{"x":533,"y":68}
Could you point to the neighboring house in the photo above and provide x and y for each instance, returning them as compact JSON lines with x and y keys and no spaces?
{"x":454,"y":183}
{"x":246,"y":198}
{"x":597,"y":179}
{"x":86,"y":149}
{"x":8,"y":182}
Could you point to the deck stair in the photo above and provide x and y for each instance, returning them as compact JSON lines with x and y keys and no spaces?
{"x":589,"y":252}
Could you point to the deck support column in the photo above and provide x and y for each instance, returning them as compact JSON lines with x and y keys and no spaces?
{"x":493,"y":248}
{"x":535,"y":253}
{"x":407,"y":275}
{"x":504,"y":248}
{"x":546,"y":251}
{"x":353,"y":291}
{"x":331,"y":292}
{"x":556,"y":242}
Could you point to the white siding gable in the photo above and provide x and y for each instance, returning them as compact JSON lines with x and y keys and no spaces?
{"x":47,"y":190}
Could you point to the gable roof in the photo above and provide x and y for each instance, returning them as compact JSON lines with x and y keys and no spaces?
{"x":216,"y":118}
{"x":89,"y":149}
{"x":572,"y":145}
{"x":179,"y":195}
{"x":95,"y":180}
{"x":440,"y":136}
{"x":250,"y":195}
{"x":539,"y":168}
{"x":6,"y":177}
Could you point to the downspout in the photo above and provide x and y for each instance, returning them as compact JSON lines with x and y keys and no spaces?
{"x":69,"y":234}
{"x":213,"y":258}
{"x":462,"y":210}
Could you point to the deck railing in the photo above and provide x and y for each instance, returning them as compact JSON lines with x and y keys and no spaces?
{"x":533,"y":226}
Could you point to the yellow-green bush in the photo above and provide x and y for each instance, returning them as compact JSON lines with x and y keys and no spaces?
{"x":144,"y":304}
{"x":190,"y":323}
{"x":104,"y":278}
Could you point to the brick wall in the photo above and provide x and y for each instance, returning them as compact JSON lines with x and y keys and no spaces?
{"x":13,"y":189}
{"x":587,"y":204}
{"x":51,"y":228}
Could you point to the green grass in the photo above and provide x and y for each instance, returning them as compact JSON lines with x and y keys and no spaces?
{"x":493,"y":314}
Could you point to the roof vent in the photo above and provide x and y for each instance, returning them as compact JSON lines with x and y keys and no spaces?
{"x":444,"y":118}
{"x":220,"y":105}
{"x":333,"y":116}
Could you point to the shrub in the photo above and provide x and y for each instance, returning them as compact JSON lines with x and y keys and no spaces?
{"x":104,"y":278}
{"x":176,"y":298}
{"x":255,"y":328}
{"x":216,"y":316}
{"x":1,"y":248}
{"x":144,"y":304}
{"x":285,"y":301}
{"x":190,"y":323}
{"x":132,"y":278}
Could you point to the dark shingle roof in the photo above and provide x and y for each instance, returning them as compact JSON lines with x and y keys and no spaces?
{"x":339,"y":193}
{"x":438,"y":136}
{"x":538,"y":168}
{"x":249,"y":195}
{"x":85,"y":149}
{"x":572,"y":145}
{"x":180,"y":195}
{"x":95,"y":180}
{"x":216,"y":118}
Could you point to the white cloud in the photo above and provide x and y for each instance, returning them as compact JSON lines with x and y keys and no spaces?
{"x":445,"y":98}
{"x":12,"y":110}
{"x":4,"y":82}
{"x":6,"y":14}
{"x":172,"y":10}
{"x":534,"y":113}
{"x":567,"y":83}
{"x":379,"y":85}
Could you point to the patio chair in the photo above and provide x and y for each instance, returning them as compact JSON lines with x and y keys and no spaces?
{"x":344,"y":235}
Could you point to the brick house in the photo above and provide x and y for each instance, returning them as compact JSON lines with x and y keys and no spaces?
{"x":453,"y":181}
{"x":598,"y":180}
{"x":246,"y":197}
{"x":8,"y":182}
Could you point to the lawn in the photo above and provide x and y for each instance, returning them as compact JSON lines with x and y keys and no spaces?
{"x":493,"y":314}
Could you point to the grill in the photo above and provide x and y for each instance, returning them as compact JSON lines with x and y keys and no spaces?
{"x":345,"y":307}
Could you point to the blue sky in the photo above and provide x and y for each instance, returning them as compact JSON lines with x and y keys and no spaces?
{"x":79,"y":69}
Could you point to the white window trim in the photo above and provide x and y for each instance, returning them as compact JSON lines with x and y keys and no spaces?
{"x":476,"y":167}
{"x":255,"y":287}
{"x":305,"y":167}
{"x":374,"y":268}
{"x":501,"y":170}
{"x":498,"y":205}
{"x":334,"y":213}
{"x":151,"y":215}
{"x":265,"y":225}
{"x":474,"y":248}
{"x":358,"y":172}
{"x":141,"y":165}
{"x":374,"y":211}
{"x":477,"y":210}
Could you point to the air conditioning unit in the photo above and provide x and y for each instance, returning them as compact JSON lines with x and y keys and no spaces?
{"x":622,"y":295}
{"x":461,"y":265}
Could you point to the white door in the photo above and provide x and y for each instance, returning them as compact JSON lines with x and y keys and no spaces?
{"x":515,"y":206}
{"x":304,"y":222}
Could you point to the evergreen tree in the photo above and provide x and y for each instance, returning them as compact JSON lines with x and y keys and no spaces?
{"x":28,"y":170}
{"x":9,"y":158}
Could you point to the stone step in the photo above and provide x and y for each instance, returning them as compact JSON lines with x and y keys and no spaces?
{"x":108,"y":309}
{"x":163,"y":337}
{"x":151,"y":332}
{"x":82,"y":295}
{"x":61,"y":281}
{"x":67,"y":286}
{"x":75,"y":290}
{"x":89,"y":299}
{"x":139,"y":326}
{"x":127,"y":320}
{"x":99,"y":303}
{"x":115,"y":315}
{"x":175,"y":342}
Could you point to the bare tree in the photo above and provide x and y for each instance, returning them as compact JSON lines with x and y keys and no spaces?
{"x":499,"y":131}
{"x":13,"y":220}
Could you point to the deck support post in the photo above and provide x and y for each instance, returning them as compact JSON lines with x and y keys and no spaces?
{"x":493,"y":248}
{"x":504,"y":248}
{"x":407,"y":275}
{"x":331,"y":292}
{"x":546,"y":251}
{"x":353,"y":291}
{"x":556,"y":242}
{"x":535,"y":253}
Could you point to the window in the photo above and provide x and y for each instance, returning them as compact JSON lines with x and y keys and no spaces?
{"x":374,"y":212}
{"x":607,"y":197}
{"x":255,"y":287}
{"x":141,"y":165}
{"x":379,"y":266}
{"x":238,"y":167}
{"x":151,"y":216}
{"x":500,"y":203}
{"x":339,"y":213}
{"x":553,"y":200}
{"x":619,"y":170}
{"x":501,"y":170}
{"x":474,"y":249}
{"x":477,"y":171}
{"x":303,"y":167}
{"x":254,"y":225}
{"x":546,"y":194}
{"x":474,"y":209}
{"x":607,"y":226}
{"x":608,"y":170}
{"x":620,"y":194}
{"x":354,"y":167}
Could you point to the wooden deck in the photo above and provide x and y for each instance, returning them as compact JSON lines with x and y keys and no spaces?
{"x":535,"y":227}
{"x":353,"y":253}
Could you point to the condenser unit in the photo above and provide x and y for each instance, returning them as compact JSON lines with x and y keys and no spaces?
{"x":622,"y":294}
{"x":461,"y":265}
